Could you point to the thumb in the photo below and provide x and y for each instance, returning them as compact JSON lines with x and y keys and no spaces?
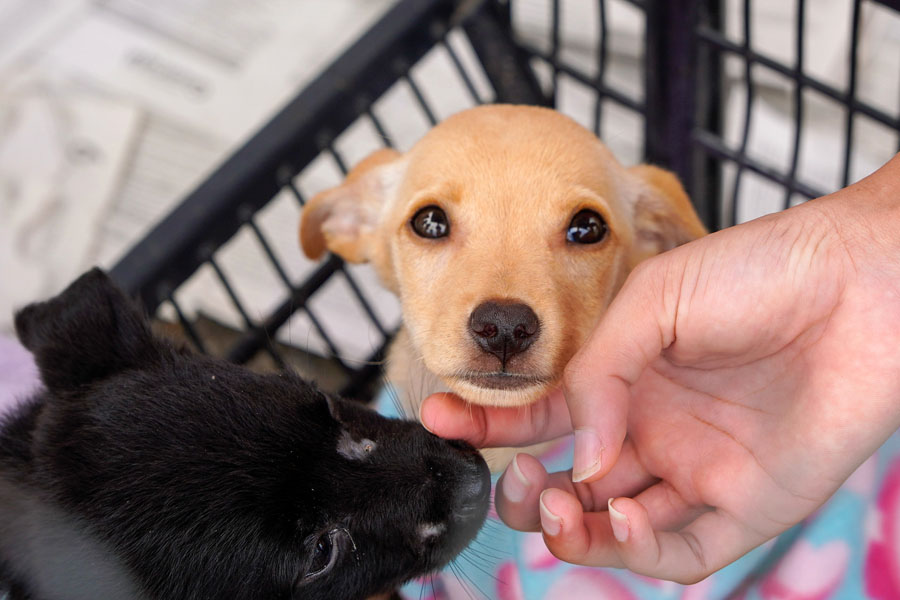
{"x":597,"y":381}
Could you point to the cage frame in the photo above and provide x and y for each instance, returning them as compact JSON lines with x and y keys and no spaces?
{"x":681,"y":108}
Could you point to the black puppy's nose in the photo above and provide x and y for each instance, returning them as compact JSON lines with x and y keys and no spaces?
{"x":504,"y":329}
{"x":473,"y":488}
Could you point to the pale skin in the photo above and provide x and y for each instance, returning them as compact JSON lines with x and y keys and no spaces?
{"x":732,"y":386}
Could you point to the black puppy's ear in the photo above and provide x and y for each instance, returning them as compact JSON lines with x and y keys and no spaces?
{"x":90,"y":331}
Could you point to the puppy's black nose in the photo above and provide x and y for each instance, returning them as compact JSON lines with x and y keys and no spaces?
{"x":462,"y":482}
{"x":504,"y":329}
{"x":472,"y":491}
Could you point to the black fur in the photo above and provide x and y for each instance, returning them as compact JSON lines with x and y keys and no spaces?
{"x":142,"y":471}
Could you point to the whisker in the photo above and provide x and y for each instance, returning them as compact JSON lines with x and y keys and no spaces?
{"x":483,"y":550}
{"x":493,"y":554}
{"x":460,"y":577}
{"x":466,"y":578}
{"x":475,"y":565}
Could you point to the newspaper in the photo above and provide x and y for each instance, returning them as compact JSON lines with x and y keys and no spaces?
{"x":60,"y":156}
{"x":111,"y":111}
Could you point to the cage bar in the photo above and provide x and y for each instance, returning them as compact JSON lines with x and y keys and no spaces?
{"x":748,"y":115}
{"x":851,"y":92}
{"x":798,"y":99}
{"x":602,"y":56}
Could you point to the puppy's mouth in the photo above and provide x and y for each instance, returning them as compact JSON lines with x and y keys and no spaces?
{"x":501,"y":380}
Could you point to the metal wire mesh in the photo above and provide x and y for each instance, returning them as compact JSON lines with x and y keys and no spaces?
{"x":688,"y":87}
{"x":800,"y":93}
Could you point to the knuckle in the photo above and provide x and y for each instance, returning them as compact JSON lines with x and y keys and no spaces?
{"x":482,"y":433}
{"x":563,"y":552}
{"x":642,"y":269}
{"x":696,"y":548}
{"x":646,"y":270}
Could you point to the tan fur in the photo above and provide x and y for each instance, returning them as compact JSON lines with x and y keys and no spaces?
{"x":510,"y":179}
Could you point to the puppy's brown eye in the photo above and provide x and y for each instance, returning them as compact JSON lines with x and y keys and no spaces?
{"x":587,"y":227}
{"x":430,"y":222}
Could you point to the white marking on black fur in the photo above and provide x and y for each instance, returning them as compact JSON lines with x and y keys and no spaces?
{"x":430,"y":530}
{"x":355,"y":449}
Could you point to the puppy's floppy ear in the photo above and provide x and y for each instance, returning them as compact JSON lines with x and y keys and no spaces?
{"x":89,"y":331}
{"x":663,"y":214}
{"x":343,"y":219}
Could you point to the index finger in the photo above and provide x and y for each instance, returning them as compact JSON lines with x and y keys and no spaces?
{"x":449,"y":416}
{"x":597,"y":380}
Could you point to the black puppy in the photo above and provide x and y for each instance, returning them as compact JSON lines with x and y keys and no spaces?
{"x":144,"y":472}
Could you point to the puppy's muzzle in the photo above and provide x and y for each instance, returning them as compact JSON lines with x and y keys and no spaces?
{"x":504,"y":329}
{"x":473,"y":491}
{"x":466,"y":482}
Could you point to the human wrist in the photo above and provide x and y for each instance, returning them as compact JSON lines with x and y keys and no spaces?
{"x":866,"y":218}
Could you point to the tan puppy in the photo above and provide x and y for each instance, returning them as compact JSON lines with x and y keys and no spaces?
{"x":505,"y":232}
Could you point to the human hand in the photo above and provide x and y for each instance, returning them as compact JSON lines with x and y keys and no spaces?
{"x":753,"y":370}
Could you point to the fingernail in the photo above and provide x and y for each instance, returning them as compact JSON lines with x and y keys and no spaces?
{"x":422,"y":416}
{"x":550,"y":523}
{"x":588,"y":451}
{"x":515,"y":485}
{"x":425,"y":425}
{"x":618,"y":521}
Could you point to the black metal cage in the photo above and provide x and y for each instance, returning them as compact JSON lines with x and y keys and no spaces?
{"x":691,"y":58}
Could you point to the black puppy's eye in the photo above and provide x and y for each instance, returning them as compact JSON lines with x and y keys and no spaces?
{"x":587,"y":227}
{"x":430,"y":222}
{"x":322,"y":555}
